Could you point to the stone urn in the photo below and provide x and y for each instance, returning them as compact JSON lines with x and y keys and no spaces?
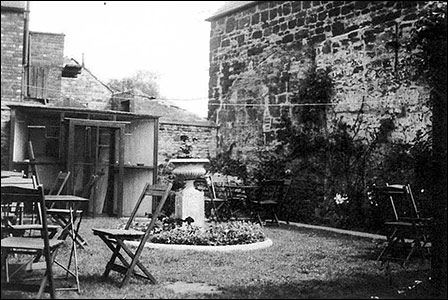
{"x":189,"y":201}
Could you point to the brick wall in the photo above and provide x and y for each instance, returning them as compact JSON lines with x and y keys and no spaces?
{"x":258,"y":55}
{"x":12,"y":28}
{"x":173,"y":123}
{"x":47,"y":50}
{"x":170,"y":143}
{"x":86,"y":90}
{"x":12,"y":53}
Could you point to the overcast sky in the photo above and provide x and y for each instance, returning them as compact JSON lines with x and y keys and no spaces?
{"x":118,"y":38}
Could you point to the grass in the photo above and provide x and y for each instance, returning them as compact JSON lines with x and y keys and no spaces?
{"x":301,"y":263}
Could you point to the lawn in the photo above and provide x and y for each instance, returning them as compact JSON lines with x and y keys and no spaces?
{"x":301,"y":263}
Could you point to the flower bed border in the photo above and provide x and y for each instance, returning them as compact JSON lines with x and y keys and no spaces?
{"x":241,"y":247}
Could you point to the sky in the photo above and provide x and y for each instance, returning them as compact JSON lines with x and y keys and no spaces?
{"x":118,"y":38}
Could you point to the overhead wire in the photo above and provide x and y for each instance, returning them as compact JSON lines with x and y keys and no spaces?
{"x":241,"y":102}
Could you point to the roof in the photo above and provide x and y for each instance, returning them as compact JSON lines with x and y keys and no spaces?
{"x":18,"y":5}
{"x":173,"y":114}
{"x":38,"y":108}
{"x":230,"y":7}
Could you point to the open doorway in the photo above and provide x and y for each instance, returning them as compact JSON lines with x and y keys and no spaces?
{"x":94,"y":149}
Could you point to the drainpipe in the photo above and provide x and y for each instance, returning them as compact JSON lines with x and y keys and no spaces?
{"x":25,"y":58}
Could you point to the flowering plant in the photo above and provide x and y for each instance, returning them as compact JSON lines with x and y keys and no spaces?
{"x":341,"y":199}
{"x":173,"y":231}
{"x":186,"y":148}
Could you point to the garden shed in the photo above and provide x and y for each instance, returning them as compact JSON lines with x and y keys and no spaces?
{"x":119,"y":147}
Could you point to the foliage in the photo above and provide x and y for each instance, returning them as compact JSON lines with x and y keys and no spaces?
{"x":224,"y":163}
{"x":316,"y":89}
{"x":428,"y":44}
{"x":143,"y":81}
{"x":330,"y":161}
{"x":175,"y":231}
{"x":270,"y":162}
{"x":165,"y":170}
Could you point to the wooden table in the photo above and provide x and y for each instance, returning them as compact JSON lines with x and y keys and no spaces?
{"x":18,"y":181}
{"x":12,"y":178}
{"x":6,"y":174}
{"x":67,"y":217}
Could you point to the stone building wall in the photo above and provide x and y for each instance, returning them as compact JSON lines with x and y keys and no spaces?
{"x":259,"y":54}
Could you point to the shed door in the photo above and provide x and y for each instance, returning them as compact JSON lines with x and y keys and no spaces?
{"x":96,"y":147}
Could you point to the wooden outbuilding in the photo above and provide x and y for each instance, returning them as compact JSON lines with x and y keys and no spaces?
{"x":120,"y":147}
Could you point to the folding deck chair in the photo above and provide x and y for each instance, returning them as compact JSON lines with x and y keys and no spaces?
{"x":267,"y":200}
{"x":116,"y":239}
{"x":408,"y":232}
{"x":35,"y":246}
{"x":217,"y":196}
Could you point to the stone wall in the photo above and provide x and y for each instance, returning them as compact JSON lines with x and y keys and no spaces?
{"x":259,"y":54}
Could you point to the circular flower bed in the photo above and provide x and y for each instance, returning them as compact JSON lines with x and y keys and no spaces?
{"x":219,"y":234}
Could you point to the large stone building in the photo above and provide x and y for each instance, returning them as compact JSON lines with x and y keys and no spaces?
{"x":261,"y":51}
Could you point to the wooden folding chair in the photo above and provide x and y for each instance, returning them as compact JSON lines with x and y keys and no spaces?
{"x":59,"y":183}
{"x":33,"y":165}
{"x":217,"y":197}
{"x":36,"y":246}
{"x":20,"y":221}
{"x":62,"y":216}
{"x":407,"y":232}
{"x":267,"y":200}
{"x":116,"y":239}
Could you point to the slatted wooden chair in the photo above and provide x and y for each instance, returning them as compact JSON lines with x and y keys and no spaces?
{"x":407,"y":232}
{"x":36,"y":246}
{"x":116,"y":239}
{"x":59,"y":183}
{"x":61,"y":216}
{"x":267,"y":200}
{"x":25,"y":221}
{"x":217,"y":197}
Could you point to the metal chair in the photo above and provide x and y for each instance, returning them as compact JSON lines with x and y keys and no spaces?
{"x":407,"y":232}
{"x":116,"y":239}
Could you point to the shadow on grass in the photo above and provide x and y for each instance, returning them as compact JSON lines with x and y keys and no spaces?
{"x":367,"y":287}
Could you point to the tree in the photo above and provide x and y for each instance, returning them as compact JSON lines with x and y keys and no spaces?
{"x":143,"y":80}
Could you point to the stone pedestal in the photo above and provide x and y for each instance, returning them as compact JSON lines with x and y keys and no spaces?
{"x":189,"y":201}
